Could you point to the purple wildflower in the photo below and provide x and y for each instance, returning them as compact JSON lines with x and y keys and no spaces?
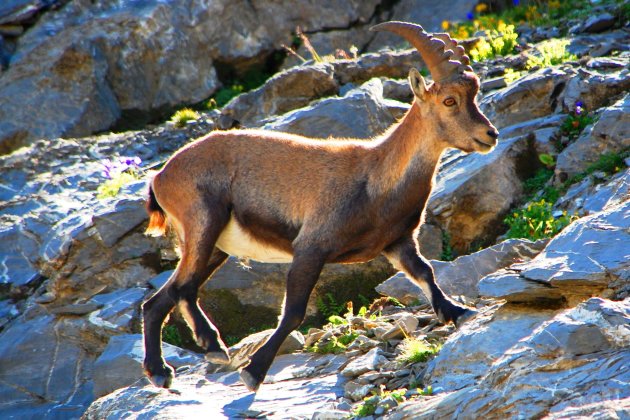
{"x":470,"y":16}
{"x":579,"y":107}
{"x":115,"y":168}
{"x":515,"y":2}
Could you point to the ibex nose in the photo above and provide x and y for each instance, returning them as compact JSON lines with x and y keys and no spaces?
{"x":494,"y":133}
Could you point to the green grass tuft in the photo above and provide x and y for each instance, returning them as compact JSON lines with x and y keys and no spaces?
{"x":181,"y":117}
{"x":415,"y":350}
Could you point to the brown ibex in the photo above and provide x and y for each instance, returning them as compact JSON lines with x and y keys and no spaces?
{"x":276,"y":197}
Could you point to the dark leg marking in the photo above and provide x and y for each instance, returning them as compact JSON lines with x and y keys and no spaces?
{"x":301,"y":279}
{"x":404,"y":256}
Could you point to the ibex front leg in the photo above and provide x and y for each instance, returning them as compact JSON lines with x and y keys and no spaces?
{"x":405,"y":257}
{"x":301,"y":279}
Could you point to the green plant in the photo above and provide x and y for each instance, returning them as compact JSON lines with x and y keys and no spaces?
{"x":427,"y":391}
{"x":369,"y":404}
{"x":415,"y":350}
{"x":181,"y":117}
{"x":576,"y":121}
{"x":536,"y":221}
{"x":500,"y":41}
{"x":447,"y":248}
{"x":328,"y":305}
{"x":170,"y":334}
{"x":609,"y":163}
{"x":511,"y":75}
{"x":549,"y":53}
{"x":334,"y":345}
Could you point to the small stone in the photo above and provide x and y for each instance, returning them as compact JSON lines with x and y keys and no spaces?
{"x":329,"y":415}
{"x":45,"y":298}
{"x":344,"y":405}
{"x":403,"y":326}
{"x":356,"y":391}
{"x":313,"y":335}
{"x":491,"y":84}
{"x":372,"y":360}
{"x":363,"y":343}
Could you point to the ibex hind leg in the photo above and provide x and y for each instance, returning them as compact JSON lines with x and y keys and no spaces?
{"x":206,"y":334}
{"x":197,"y":262}
{"x":200,"y":259}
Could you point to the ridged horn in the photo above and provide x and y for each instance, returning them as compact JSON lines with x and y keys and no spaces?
{"x":435,"y":51}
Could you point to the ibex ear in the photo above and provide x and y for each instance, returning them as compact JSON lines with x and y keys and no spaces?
{"x":417,"y":83}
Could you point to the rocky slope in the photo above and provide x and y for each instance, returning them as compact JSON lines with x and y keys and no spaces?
{"x":553,"y":336}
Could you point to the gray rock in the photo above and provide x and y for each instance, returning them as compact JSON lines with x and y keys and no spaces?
{"x":286,"y":91}
{"x":120,"y":310}
{"x":467,"y":356}
{"x":372,"y":360}
{"x":526,"y":127}
{"x":356,"y":391}
{"x":455,"y":202}
{"x":45,"y":369}
{"x":594,"y":89}
{"x":532,"y":96}
{"x":141,"y":58}
{"x":460,"y":277}
{"x":610,"y":133}
{"x":333,"y":44}
{"x":402,"y":289}
{"x":598,"y":262}
{"x":240,"y":352}
{"x":120,"y":364}
{"x":362,"y":113}
{"x":261,"y":284}
{"x":223,"y":395}
{"x":587,"y":197}
{"x":402,"y":327}
{"x":598,"y":23}
{"x":15,"y":11}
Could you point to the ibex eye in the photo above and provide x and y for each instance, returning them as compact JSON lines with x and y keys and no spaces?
{"x":449,"y":102}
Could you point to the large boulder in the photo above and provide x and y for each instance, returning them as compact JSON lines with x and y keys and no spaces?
{"x":609,"y":134}
{"x":361,"y":113}
{"x":587,"y":257}
{"x":83,"y":67}
{"x":533,"y":96}
{"x":45,"y":368}
{"x":573,"y":365}
{"x":455,"y":203}
{"x":289,"y":391}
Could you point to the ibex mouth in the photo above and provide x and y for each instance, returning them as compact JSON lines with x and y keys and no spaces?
{"x":482,"y":144}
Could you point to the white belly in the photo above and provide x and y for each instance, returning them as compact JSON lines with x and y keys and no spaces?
{"x":238,"y":243}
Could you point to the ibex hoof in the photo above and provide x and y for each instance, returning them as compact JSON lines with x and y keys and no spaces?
{"x":464,"y":317}
{"x":161,"y":381}
{"x":218,"y":357}
{"x":250,"y":382}
{"x":161,"y":377}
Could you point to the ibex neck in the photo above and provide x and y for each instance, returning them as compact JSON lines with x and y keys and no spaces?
{"x":409,"y":149}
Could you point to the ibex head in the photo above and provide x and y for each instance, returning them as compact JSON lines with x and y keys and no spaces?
{"x":450,"y":102}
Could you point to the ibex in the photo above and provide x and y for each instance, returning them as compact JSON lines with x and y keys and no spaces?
{"x":275,"y":197}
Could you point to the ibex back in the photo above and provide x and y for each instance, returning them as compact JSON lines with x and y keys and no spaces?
{"x":277,"y":197}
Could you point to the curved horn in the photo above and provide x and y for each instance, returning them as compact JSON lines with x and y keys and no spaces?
{"x":434,"y":51}
{"x":459,"y":53}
